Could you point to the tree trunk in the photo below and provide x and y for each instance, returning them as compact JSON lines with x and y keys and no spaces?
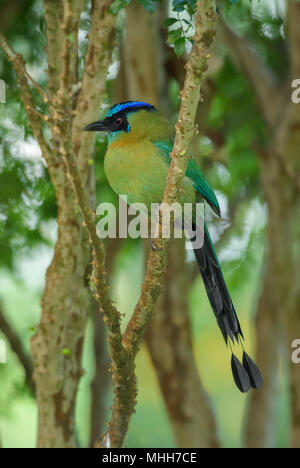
{"x":278,"y":310}
{"x":57,"y":345}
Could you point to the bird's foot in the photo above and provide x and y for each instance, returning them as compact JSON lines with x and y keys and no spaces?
{"x":154,"y":247}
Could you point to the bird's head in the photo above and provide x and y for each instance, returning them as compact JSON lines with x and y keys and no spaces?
{"x":135,"y":118}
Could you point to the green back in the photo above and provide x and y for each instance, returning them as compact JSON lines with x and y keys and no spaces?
{"x":194,"y":172}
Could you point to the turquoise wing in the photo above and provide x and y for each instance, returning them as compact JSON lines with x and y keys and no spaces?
{"x":194,"y":172}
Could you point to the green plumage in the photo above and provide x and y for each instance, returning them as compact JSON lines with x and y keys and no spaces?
{"x":137,"y":163}
{"x":194,"y":173}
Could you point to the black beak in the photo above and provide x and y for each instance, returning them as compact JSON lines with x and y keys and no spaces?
{"x":99,"y":126}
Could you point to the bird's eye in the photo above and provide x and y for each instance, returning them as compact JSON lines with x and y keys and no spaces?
{"x":119,"y":121}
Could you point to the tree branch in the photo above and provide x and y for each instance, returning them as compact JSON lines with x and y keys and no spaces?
{"x":18,"y":60}
{"x":23,"y":77}
{"x":18,"y":348}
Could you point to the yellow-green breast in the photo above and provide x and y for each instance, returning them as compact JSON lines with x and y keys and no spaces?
{"x":136,"y":168}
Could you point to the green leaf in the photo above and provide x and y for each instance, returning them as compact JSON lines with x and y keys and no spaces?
{"x":179,"y":46}
{"x":118,"y":5}
{"x":174,"y":35}
{"x":169,"y":22}
{"x":178,"y":5}
{"x":66,"y":351}
{"x":148,"y":4}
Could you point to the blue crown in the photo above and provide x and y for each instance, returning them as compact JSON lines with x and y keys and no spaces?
{"x":128,"y":106}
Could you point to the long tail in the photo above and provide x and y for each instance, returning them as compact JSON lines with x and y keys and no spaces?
{"x":246,"y":374}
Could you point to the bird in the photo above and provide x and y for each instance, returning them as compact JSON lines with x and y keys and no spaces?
{"x":136,"y":164}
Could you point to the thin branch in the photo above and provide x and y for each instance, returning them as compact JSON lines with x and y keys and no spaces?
{"x":18,"y":348}
{"x":17,"y":58}
{"x":34,"y":119}
{"x":89,"y":218}
{"x":45,"y":118}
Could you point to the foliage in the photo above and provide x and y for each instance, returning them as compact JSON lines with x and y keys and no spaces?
{"x":183,"y":12}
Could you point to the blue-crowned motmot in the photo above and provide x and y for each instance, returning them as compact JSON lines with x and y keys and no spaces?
{"x":140,"y":140}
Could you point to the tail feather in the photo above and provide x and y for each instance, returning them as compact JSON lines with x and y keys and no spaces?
{"x":217,"y":291}
{"x":253,"y":371}
{"x":246,"y":375}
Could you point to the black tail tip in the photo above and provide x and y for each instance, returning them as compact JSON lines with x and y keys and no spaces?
{"x":253,"y":372}
{"x":240,"y":375}
{"x":245,"y":375}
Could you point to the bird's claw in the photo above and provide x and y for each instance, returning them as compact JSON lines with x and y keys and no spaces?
{"x":154,"y":248}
